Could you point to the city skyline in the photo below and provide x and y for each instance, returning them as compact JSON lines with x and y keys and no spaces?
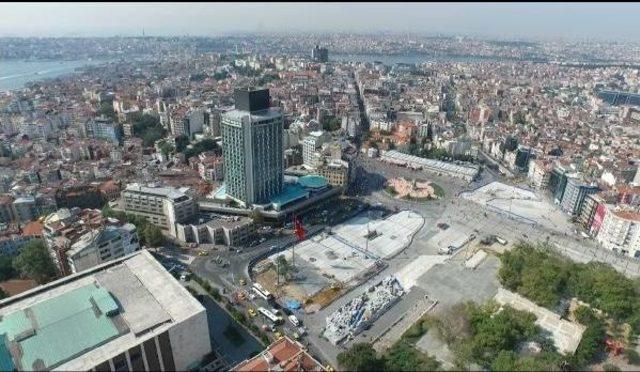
{"x":564,"y":21}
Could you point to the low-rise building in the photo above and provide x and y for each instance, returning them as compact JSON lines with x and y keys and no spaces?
{"x":80,"y":238}
{"x":162,"y":206}
{"x":101,"y":245}
{"x":224,"y":230}
{"x":282,"y":355}
{"x":336,"y":173}
{"x":620,"y":231}
{"x":103,"y":128}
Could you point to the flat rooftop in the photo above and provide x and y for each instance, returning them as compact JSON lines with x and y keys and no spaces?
{"x":261,"y":115}
{"x":437,"y":165}
{"x":166,"y":192}
{"x":99,"y":313}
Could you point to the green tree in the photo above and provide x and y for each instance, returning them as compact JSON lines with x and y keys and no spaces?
{"x":206,"y":144}
{"x":632,"y":356}
{"x":403,"y":356}
{"x":7,"y":270}
{"x":257,"y":217}
{"x":148,"y":128}
{"x":360,"y":357}
{"x":106,"y":109}
{"x":181,"y":142}
{"x":283,"y":267}
{"x":152,"y":236}
{"x":3,"y":294}
{"x":506,"y":360}
{"x":35,"y":262}
{"x":165,"y":148}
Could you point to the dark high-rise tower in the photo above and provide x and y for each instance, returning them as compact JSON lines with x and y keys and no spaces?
{"x":252,"y":137}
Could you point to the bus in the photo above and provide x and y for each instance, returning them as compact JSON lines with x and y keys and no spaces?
{"x":269,"y":315}
{"x":261,"y":292}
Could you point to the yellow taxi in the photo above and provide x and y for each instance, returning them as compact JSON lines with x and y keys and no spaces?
{"x":252,"y":312}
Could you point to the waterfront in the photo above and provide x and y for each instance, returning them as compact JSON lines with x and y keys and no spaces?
{"x":411,"y":58}
{"x":15,"y":74}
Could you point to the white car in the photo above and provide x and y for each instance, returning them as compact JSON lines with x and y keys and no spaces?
{"x":294,"y":320}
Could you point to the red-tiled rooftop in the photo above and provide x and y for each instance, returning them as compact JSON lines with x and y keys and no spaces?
{"x":16,"y":286}
{"x":283,"y":355}
{"x":33,"y":228}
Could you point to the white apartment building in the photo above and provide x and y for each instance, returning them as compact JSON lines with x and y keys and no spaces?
{"x":162,"y":206}
{"x":312,"y":143}
{"x":101,"y":245}
{"x":539,"y":173}
{"x":620,"y":232}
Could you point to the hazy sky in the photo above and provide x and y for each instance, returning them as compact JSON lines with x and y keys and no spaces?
{"x":530,"y":20}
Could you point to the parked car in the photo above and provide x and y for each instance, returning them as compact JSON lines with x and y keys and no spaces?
{"x":294,"y":320}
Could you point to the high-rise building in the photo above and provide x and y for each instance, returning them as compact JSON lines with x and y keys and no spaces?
{"x":575,"y":192}
{"x":320,"y":54}
{"x":125,"y":315}
{"x":252,"y":148}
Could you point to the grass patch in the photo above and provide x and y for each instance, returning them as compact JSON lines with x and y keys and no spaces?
{"x":391,"y":190}
{"x":438,"y":190}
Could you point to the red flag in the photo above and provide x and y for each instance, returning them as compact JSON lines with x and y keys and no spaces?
{"x":300,"y":232}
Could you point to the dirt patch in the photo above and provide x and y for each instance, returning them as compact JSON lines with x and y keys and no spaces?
{"x":325,"y":297}
{"x":269,"y":280}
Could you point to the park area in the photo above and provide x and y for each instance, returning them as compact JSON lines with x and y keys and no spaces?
{"x":549,"y":314}
{"x":415,"y":190}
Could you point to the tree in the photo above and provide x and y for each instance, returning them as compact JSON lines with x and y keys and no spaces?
{"x":3,"y":294}
{"x":152,"y":236}
{"x":402,"y":356}
{"x":360,"y":357}
{"x":206,"y":144}
{"x":257,"y":217}
{"x":106,"y":109}
{"x":165,"y":148}
{"x":35,"y":262}
{"x":7,"y":270}
{"x":283,"y":267}
{"x":148,"y":128}
{"x":181,"y":142}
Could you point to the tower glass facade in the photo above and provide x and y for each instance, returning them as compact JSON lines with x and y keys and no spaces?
{"x":253,"y":154}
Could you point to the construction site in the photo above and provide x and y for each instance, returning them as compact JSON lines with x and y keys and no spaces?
{"x":353,"y":317}
{"x":339,"y":258}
